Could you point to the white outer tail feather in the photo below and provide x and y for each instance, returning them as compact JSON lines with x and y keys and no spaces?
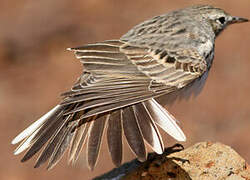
{"x":33,"y":127}
{"x":26,"y":143}
{"x":157,"y":144}
{"x":166,"y":121}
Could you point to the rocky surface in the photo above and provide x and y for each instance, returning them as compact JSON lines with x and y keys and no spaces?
{"x":203,"y":160}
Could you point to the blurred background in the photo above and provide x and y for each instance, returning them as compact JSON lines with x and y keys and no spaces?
{"x":35,"y":68}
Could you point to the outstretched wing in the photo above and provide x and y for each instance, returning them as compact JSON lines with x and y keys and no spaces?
{"x":117,"y":74}
{"x":116,"y":89}
{"x":113,"y":79}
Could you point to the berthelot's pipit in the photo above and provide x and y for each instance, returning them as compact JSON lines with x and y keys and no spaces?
{"x":123,"y":81}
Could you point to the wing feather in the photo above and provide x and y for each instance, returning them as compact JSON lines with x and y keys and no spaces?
{"x":100,"y":95}
{"x":117,"y":105}
{"x":102,"y":87}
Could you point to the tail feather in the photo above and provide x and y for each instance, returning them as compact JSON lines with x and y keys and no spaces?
{"x":114,"y":137}
{"x":43,"y":135}
{"x":95,"y":139}
{"x":26,"y":143}
{"x":133,"y":133}
{"x":79,"y":133}
{"x":48,"y":151}
{"x":37,"y":124}
{"x":51,"y":146}
{"x":82,"y":141}
{"x":148,"y":128}
{"x":164,"y":119}
{"x":61,"y":146}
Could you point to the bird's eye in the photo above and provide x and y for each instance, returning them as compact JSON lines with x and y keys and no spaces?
{"x":222,"y":20}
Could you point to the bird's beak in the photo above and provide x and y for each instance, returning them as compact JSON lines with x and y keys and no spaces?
{"x":238,"y":20}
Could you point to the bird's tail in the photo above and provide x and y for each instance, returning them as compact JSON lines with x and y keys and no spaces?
{"x":137,"y":122}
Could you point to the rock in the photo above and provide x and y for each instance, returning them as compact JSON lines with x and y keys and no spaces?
{"x":203,"y":160}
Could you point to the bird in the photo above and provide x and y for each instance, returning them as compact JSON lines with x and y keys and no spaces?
{"x":125,"y":85}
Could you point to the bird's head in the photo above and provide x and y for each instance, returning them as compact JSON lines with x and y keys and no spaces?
{"x":218,"y":18}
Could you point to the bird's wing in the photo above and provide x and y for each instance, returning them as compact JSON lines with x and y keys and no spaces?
{"x":117,"y":74}
{"x":115,"y":89}
{"x":112,"y":79}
